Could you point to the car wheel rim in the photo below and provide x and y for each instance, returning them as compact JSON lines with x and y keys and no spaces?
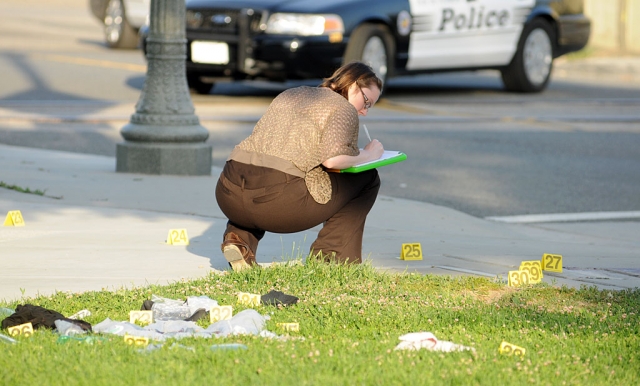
{"x":113,"y":20}
{"x":538,"y":57}
{"x":375,"y":55}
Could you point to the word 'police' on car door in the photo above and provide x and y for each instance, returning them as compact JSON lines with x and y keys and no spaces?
{"x":465,"y":33}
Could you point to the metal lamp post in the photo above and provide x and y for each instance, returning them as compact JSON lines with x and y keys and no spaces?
{"x":164,"y":136}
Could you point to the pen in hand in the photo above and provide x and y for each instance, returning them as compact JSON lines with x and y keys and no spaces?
{"x":376,"y":148}
{"x":367,"y":132}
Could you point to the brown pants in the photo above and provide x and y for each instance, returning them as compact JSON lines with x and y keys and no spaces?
{"x":257,"y":199}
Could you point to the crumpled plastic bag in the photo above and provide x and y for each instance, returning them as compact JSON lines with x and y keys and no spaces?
{"x":109,"y":326}
{"x":169,"y":309}
{"x":8,"y":339}
{"x":67,"y":328}
{"x":172,"y":309}
{"x":245,"y":322}
{"x":420,"y":340}
{"x":197,"y":302}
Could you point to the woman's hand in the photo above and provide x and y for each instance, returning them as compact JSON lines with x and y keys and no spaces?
{"x":375,"y":150}
{"x":371,"y":152}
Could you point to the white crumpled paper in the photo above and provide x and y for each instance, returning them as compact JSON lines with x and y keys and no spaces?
{"x":419,"y":340}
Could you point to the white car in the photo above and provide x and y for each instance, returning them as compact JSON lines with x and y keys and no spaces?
{"x":121,"y":19}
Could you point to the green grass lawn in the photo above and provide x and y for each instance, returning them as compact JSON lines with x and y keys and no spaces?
{"x":350,"y":320}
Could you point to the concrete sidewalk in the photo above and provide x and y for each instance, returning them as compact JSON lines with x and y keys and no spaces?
{"x":96,"y":229}
{"x":611,"y":69}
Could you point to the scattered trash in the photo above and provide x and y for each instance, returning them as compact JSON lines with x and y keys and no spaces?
{"x":109,"y":326}
{"x":193,"y":309}
{"x":419,"y":340}
{"x":176,"y":328}
{"x":90,"y":339}
{"x":4,"y":312}
{"x":8,"y":339}
{"x":173,"y":319}
{"x":154,"y":347}
{"x":67,"y":328}
{"x":275,"y":298}
{"x":228,"y":346}
{"x":197,"y":302}
{"x":200,"y":313}
{"x":40,"y":317}
{"x":150,"y":348}
{"x":169,"y":309}
{"x":80,"y":314}
{"x":181,"y":346}
{"x":248,"y":322}
{"x":146,"y":305}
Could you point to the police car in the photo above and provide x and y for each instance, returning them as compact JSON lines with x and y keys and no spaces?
{"x":305,"y":39}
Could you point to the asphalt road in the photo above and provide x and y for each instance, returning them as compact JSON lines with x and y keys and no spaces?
{"x":471,"y":146}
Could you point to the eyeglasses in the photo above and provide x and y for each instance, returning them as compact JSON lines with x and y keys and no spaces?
{"x":367,"y":104}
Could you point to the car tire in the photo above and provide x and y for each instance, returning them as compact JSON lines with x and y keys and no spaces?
{"x":118,"y":32}
{"x":373,"y":45}
{"x":197,"y":85}
{"x":530,"y":69}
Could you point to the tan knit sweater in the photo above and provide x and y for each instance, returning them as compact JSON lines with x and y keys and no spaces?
{"x":303,"y":127}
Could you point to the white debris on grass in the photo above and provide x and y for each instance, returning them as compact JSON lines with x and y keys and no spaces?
{"x":420,"y":340}
{"x":247,"y":322}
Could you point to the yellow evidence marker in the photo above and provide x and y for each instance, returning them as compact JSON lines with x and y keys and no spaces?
{"x":552,"y":263}
{"x":136,"y":340}
{"x":535,"y":270}
{"x":218,"y":313}
{"x":25,"y":330}
{"x":518,"y":278}
{"x":411,"y":251}
{"x":289,"y":326}
{"x":511,"y":349}
{"x":248,"y":299}
{"x":14,"y":219}
{"x":141,"y":317}
{"x":177,"y":237}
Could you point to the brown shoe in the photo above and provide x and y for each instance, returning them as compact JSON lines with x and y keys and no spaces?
{"x":237,"y":252}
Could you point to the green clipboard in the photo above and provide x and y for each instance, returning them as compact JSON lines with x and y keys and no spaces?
{"x":388,"y":157}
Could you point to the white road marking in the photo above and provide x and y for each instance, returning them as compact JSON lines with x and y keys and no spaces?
{"x":469,"y":271}
{"x":567,"y":217}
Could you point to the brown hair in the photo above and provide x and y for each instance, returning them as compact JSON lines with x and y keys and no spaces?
{"x":353,"y":72}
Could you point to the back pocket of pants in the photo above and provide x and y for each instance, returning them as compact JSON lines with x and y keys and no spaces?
{"x":270,"y":193}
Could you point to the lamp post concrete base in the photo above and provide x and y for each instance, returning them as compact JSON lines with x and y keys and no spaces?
{"x":192,"y":159}
{"x":164,"y":136}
